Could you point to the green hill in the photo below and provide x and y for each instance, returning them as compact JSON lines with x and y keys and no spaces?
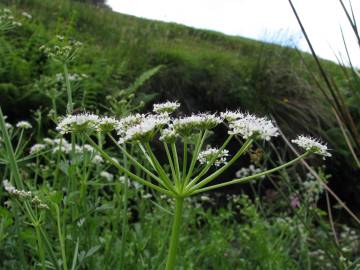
{"x":204,"y":70}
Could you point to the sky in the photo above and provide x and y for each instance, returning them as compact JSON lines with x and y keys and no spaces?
{"x":266,"y":20}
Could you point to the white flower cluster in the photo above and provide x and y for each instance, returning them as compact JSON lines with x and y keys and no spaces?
{"x":313,"y":190}
{"x":169,"y":135}
{"x":86,"y":122}
{"x":136,"y":185}
{"x":232,"y":116}
{"x":187,"y":125}
{"x":167,"y":107}
{"x":8,"y":126}
{"x":64,"y":147}
{"x":73,"y":77}
{"x":23,"y":125}
{"x":313,"y":145}
{"x":77,"y":123}
{"x":13,"y":191}
{"x":209,"y":154}
{"x":141,"y":127}
{"x":251,"y":170}
{"x":144,"y":127}
{"x":107,"y":124}
{"x":22,"y":194}
{"x":7,"y":20}
{"x":63,"y":51}
{"x":248,"y":125}
{"x":37,"y":148}
{"x":107,"y":176}
{"x":26,"y":15}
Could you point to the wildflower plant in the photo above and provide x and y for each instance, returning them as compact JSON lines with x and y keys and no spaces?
{"x":190,"y":170}
{"x":7,"y":20}
{"x":64,"y":51}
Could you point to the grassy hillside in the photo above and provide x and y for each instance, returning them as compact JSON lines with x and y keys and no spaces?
{"x":204,"y":70}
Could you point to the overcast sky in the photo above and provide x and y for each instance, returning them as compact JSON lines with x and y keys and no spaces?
{"x":268,"y":20}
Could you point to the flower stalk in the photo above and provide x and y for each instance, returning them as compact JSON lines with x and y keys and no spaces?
{"x":175,"y":233}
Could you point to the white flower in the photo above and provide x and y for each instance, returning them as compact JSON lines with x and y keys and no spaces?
{"x":127,"y":122}
{"x":36,"y":148}
{"x":147,"y":196}
{"x":207,"y":155}
{"x":137,"y":185}
{"x":313,"y":145}
{"x":250,"y":125}
{"x":27,"y":15}
{"x":76,"y":123}
{"x":48,"y":141}
{"x":251,"y":170}
{"x":144,"y":130}
{"x":60,"y":37}
{"x":205,"y":198}
{"x":89,"y":148}
{"x":8,"y":126}
{"x":122,"y":180}
{"x":97,"y":159}
{"x":108,"y":176}
{"x":61,"y":145}
{"x":168,"y":135}
{"x":13,"y":191}
{"x":187,"y":125}
{"x":167,"y":107}
{"x":24,"y":125}
{"x":107,"y":124}
{"x":140,"y":131}
{"x":231,"y":116}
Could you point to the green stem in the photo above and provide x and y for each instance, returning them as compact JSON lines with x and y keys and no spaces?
{"x":69,"y":107}
{"x":170,"y":160}
{"x":125,"y":171}
{"x":135,"y":162}
{"x":210,"y":178}
{"x":159,"y":168}
{"x":125,"y":217}
{"x":19,"y":142}
{"x":184,"y":163}
{"x":198,"y":146}
{"x":41,"y":247}
{"x":248,"y":178}
{"x":177,"y":166}
{"x":174,"y":241}
{"x":53,"y":102}
{"x":61,"y":237}
{"x":209,"y":164}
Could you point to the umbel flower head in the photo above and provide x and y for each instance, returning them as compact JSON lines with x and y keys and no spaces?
{"x":141,"y":127}
{"x":167,"y":107}
{"x":62,"y":49}
{"x":249,"y":125}
{"x":232,"y":116}
{"x":107,"y":124}
{"x":312,"y":144}
{"x":37,"y":148}
{"x":209,"y":154}
{"x":185,"y":126}
{"x":78,"y":123}
{"x":7,"y":20}
{"x":23,"y":125}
